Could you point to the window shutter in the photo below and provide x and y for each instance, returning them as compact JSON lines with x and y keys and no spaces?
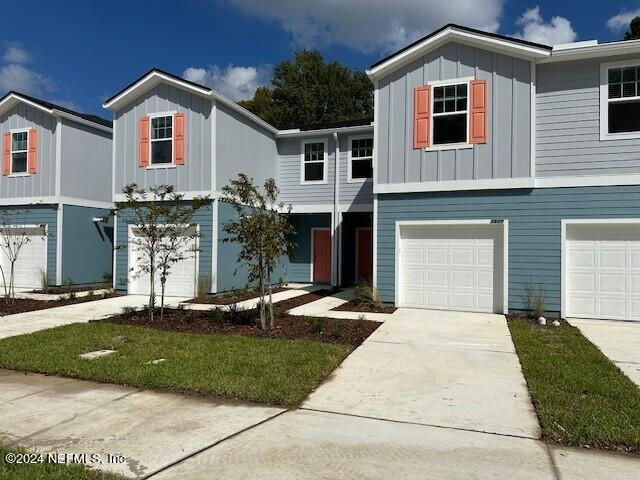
{"x":143,"y":147}
{"x":421,"y":114}
{"x":178,"y":137}
{"x":6,"y":154}
{"x":478,"y":113}
{"x":32,"y":151}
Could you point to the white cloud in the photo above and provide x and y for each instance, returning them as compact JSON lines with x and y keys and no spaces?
{"x":18,"y":77}
{"x":236,"y":83}
{"x":621,"y":22}
{"x":15,"y":53}
{"x":371,"y":25}
{"x":534,"y":29}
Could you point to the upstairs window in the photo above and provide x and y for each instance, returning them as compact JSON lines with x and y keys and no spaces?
{"x":314,"y":162}
{"x":19,"y":152}
{"x":450,"y":108}
{"x":361,"y":162}
{"x":161,"y":140}
{"x":623,"y":99}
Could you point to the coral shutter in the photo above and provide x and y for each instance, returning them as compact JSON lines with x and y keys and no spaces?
{"x":143,"y":147}
{"x":421,"y":114}
{"x":478,"y":114}
{"x":6,"y":154}
{"x":32,"y":151}
{"x":178,"y":139}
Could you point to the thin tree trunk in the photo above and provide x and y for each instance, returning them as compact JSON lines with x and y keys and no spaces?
{"x":152,"y":290}
{"x":12,"y":288}
{"x":271,"y":319}
{"x":4,"y":284}
{"x":263,"y":320}
{"x":163,"y":282}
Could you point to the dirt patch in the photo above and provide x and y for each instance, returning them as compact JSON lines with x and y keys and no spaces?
{"x":328,"y":330}
{"x":232,"y":297}
{"x":353,"y":306}
{"x":21,"y":305}
{"x":85,"y":288}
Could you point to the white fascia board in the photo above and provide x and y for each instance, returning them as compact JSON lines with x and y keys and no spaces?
{"x":595,"y":51}
{"x":324,"y":131}
{"x":312,"y":208}
{"x":14,"y":99}
{"x":190,"y":195}
{"x":454,"y":185}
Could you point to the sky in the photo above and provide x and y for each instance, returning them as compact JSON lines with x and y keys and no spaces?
{"x":77,"y":53}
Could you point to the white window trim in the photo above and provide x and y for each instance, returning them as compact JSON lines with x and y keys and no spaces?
{"x":604,"y":101}
{"x":448,"y":146}
{"x":325,"y":162}
{"x":350,"y":178}
{"x":19,"y":174}
{"x":171,"y":164}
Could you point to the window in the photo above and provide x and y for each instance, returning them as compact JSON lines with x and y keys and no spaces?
{"x":361,"y":161}
{"x":623,"y":99}
{"x":161,"y":140}
{"x":314,"y":162}
{"x":450,"y":114}
{"x":19,"y":152}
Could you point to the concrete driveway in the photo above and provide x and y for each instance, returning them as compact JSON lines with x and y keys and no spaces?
{"x":619,"y":341}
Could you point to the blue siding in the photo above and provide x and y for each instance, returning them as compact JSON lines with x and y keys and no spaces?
{"x":38,"y":215}
{"x":87,"y":246}
{"x":534,"y":226}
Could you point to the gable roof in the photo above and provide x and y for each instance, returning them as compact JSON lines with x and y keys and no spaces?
{"x":453,"y":32}
{"x":156,"y":76}
{"x":13,"y":97}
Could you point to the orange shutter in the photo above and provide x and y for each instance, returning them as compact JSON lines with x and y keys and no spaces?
{"x":178,"y":137}
{"x":6,"y":154}
{"x":143,"y":147}
{"x":421,"y":111}
{"x":478,"y":113}
{"x":32,"y":151}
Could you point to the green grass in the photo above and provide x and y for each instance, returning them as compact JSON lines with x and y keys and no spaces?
{"x":581,"y":397}
{"x":269,"y":371}
{"x":47,"y":471}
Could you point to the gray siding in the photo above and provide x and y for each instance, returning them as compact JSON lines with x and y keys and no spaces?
{"x":85,"y":162}
{"x":41,"y":184}
{"x":356,"y":192}
{"x":534,"y":227}
{"x":507,"y":151}
{"x":242,"y":147}
{"x":568,"y":124}
{"x":195,"y":174}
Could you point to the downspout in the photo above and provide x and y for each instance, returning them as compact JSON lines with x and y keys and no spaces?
{"x":337,"y":221}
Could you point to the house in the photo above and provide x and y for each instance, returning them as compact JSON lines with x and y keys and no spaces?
{"x":501,"y":163}
{"x":54,"y":187}
{"x":171,"y":131}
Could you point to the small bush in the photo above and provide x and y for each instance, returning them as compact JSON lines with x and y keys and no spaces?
{"x":44,"y":280}
{"x":336,"y":331}
{"x":217,"y":316}
{"x":316,"y":325}
{"x":534,"y":297}
{"x":107,"y":277}
{"x":238,"y":316}
{"x":72,"y":295}
{"x":128,"y":311}
{"x":366,"y":294}
{"x":204,"y":285}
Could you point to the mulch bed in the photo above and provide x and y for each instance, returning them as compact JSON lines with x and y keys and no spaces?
{"x":59,"y":290}
{"x":328,"y":330}
{"x":21,"y":305}
{"x":353,"y":306}
{"x":286,"y":305}
{"x":231,"y":297}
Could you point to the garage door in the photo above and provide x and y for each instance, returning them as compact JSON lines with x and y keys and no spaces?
{"x":451,"y":267}
{"x":32,"y":256}
{"x":603,"y":271}
{"x":182,"y":279}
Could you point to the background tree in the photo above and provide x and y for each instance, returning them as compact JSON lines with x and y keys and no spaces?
{"x":634,"y":29}
{"x":164,"y":224}
{"x":309,"y":90}
{"x":13,"y":237}
{"x":263,"y":231}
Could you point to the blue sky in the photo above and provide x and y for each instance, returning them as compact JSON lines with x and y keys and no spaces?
{"x":78,"y":53}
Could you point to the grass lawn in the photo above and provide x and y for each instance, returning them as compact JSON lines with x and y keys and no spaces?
{"x":581,"y":397}
{"x":269,"y":371}
{"x":46,"y":471}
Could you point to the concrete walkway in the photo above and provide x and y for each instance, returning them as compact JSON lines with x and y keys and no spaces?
{"x":619,"y":341}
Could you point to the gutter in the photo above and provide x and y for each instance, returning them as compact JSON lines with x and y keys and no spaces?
{"x":336,"y":208}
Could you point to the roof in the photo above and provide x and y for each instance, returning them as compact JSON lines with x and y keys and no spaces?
{"x":339,"y":124}
{"x":53,"y":108}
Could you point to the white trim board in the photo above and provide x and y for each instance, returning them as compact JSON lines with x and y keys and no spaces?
{"x":604,"y":101}
{"x":325,"y":161}
{"x":54,"y":200}
{"x":350,"y":159}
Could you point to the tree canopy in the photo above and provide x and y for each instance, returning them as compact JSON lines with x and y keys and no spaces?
{"x":634,"y":30}
{"x":307,"y":90}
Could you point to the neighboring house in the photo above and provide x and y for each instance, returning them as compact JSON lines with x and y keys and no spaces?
{"x":56,"y":173}
{"x":500,"y":162}
{"x":171,"y":131}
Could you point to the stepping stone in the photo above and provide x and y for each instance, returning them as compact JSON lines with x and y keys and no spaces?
{"x":156,"y":361}
{"x":97,"y":354}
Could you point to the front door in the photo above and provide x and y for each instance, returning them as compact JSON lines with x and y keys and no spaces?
{"x":321,"y":255}
{"x":364,"y":256}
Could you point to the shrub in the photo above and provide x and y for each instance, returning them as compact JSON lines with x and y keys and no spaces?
{"x":204,"y":285}
{"x":128,"y":311}
{"x":534,"y":297}
{"x":44,"y":280}
{"x":217,"y":316}
{"x":238,"y":316}
{"x":316,"y":325}
{"x":366,"y":294}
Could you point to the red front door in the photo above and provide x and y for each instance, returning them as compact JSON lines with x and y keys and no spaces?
{"x":364,"y":239}
{"x":322,"y":255}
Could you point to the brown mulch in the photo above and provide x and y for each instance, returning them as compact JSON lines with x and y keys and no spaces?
{"x":354,"y":306}
{"x":85,"y":288}
{"x":286,"y":305}
{"x":328,"y":330}
{"x":21,"y":305}
{"x":231,"y":297}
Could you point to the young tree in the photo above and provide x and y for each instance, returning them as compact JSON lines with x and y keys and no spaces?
{"x":13,"y":237}
{"x":164,"y":224}
{"x":263,"y":231}
{"x":634,"y":29}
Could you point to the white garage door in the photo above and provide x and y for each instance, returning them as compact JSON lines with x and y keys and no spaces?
{"x":603,"y":271}
{"x":32,"y":256}
{"x":451,"y":267}
{"x":182,"y":278}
